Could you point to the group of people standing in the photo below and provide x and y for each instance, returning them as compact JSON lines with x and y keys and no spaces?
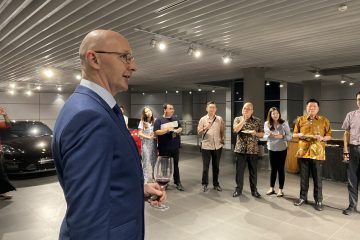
{"x":312,"y":131}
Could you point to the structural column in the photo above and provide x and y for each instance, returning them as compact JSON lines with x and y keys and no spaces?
{"x":254,"y":89}
{"x":187,"y":111}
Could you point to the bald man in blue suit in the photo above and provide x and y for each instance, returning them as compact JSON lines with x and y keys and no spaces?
{"x":96,"y":158}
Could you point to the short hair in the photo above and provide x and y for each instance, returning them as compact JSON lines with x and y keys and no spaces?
{"x":313,"y":100}
{"x":211,"y":102}
{"x":166,"y":105}
{"x":357,"y":94}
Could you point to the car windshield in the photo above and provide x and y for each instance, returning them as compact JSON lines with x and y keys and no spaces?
{"x":133,"y":123}
{"x":27,"y":129}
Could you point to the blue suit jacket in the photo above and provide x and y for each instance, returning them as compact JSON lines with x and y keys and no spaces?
{"x":99,"y":170}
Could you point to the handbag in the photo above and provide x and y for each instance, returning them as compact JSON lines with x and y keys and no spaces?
{"x":200,"y":146}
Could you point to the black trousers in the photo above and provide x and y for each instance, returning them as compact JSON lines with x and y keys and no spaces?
{"x":5,"y":185}
{"x":277,"y":163}
{"x":314,"y":167}
{"x":214,"y":156}
{"x":241,"y":160}
{"x":175,"y":155}
{"x":353,"y":172}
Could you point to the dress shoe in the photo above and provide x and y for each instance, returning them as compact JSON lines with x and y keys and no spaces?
{"x":180,"y":187}
{"x":319,"y":206}
{"x":204,"y":188}
{"x":270,"y":192}
{"x":218,"y":188}
{"x":299,"y":202}
{"x":256,"y":194}
{"x":349,"y":211}
{"x":6,"y":196}
{"x":236,"y":193}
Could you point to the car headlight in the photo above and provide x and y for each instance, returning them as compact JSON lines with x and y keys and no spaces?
{"x":10,"y":150}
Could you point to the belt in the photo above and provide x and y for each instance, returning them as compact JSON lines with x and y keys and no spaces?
{"x":355,"y":146}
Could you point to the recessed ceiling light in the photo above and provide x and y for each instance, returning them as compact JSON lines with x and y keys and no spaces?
{"x":12,"y":92}
{"x":12,"y":85}
{"x":317,"y":74}
{"x":267,"y":83}
{"x":350,"y":84}
{"x":59,"y":88}
{"x":78,"y":76}
{"x":342,"y":81}
{"x":28,"y":92}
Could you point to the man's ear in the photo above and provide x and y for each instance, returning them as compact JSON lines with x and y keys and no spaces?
{"x":92,"y":59}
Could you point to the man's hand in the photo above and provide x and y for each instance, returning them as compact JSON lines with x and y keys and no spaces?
{"x":151,"y":189}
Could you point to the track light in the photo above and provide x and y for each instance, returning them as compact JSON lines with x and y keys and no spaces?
{"x":351,"y":83}
{"x":317,"y":74}
{"x":227,"y":58}
{"x":342,"y":81}
{"x":162,"y":46}
{"x":197,"y":53}
{"x":190,"y":50}
{"x":153,"y":43}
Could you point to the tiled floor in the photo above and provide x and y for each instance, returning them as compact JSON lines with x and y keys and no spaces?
{"x":38,"y":207}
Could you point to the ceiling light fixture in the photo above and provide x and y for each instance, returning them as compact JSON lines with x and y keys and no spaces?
{"x":59,"y":88}
{"x":190,"y":50}
{"x":38,"y":87}
{"x":351,"y":83}
{"x":78,"y":76}
{"x":48,"y":73}
{"x":177,"y":91}
{"x":12,"y":92}
{"x":227,"y":58}
{"x":342,"y":81}
{"x":28,"y":92}
{"x":267,"y":83}
{"x":197,"y":53}
{"x":342,"y":8}
{"x":317,"y":74}
{"x":281,"y":85}
{"x":213,"y":90}
{"x":162,"y":46}
{"x":190,"y":92}
{"x":199,"y":89}
{"x":12,"y":85}
{"x":153,"y":43}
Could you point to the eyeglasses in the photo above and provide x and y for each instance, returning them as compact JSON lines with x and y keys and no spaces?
{"x":127,"y":57}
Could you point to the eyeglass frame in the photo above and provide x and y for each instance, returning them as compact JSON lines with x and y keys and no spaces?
{"x":128,"y":57}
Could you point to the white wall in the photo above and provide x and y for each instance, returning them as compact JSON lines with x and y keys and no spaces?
{"x":40,"y":106}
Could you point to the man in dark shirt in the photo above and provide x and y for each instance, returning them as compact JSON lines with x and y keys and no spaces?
{"x":248,"y":129}
{"x":167,"y":129}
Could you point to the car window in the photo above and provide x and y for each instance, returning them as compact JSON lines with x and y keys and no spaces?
{"x":26,"y":129}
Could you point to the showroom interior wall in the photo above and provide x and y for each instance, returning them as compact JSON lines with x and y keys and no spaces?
{"x":39,"y":106}
{"x":336,"y":100}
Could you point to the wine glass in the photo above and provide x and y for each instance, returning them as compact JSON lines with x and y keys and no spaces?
{"x":163,"y":173}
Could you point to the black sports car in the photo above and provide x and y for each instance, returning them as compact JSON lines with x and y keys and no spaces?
{"x":26,"y":147}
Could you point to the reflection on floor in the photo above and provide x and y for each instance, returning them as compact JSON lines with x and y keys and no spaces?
{"x":38,"y":207}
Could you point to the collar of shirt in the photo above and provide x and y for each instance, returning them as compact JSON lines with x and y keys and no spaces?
{"x":207,"y":117}
{"x":102,"y":92}
{"x":308,"y":117}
